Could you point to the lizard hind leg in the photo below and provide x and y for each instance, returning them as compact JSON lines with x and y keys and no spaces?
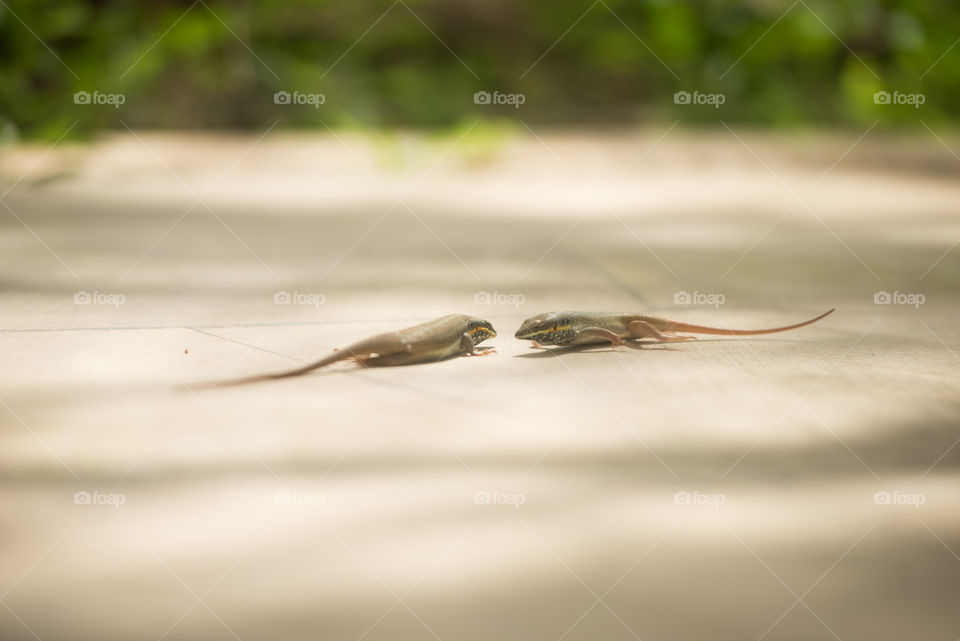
{"x":589,"y":334}
{"x":642,"y":329}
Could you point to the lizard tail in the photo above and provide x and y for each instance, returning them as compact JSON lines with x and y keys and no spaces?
{"x":323,"y":362}
{"x":671,"y":326}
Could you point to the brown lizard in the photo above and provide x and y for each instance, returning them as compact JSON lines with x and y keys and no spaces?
{"x":453,"y":335}
{"x":585,"y":328}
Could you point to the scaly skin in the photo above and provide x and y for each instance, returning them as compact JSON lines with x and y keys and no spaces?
{"x":453,"y":335}
{"x":587,"y":328}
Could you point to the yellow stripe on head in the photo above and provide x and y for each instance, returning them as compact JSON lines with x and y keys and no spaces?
{"x":550,"y":330}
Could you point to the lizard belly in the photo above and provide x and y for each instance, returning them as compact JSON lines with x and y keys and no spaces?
{"x":424,"y":350}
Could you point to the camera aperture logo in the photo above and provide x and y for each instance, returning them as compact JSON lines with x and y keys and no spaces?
{"x":84,"y":497}
{"x":898,"y":298}
{"x":683,"y":497}
{"x":497,"y":98}
{"x":497,"y":497}
{"x":299,"y":98}
{"x":498,"y":298}
{"x":98,"y":98}
{"x":283,"y":297}
{"x":99,"y":298}
{"x":896,"y":497}
{"x":297,"y":498}
{"x":898,"y":98}
{"x":699,"y":98}
{"x":698,"y":298}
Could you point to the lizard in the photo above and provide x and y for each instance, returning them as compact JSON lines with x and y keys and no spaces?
{"x":587,"y":328}
{"x":435,"y":340}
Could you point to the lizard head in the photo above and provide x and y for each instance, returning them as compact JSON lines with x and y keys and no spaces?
{"x":552,"y":328}
{"x":480,"y":330}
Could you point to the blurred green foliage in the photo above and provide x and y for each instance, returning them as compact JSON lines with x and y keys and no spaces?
{"x":381,"y":63}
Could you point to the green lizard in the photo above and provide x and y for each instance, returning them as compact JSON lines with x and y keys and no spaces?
{"x":585,"y":328}
{"x":453,"y":335}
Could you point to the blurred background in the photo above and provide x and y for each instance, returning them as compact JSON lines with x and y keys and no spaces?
{"x":193,"y":191}
{"x":418,"y":63}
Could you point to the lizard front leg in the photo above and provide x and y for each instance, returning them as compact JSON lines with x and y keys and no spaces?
{"x":468,"y":347}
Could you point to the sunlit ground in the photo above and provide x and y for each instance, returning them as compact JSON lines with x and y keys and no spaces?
{"x":796,"y":486}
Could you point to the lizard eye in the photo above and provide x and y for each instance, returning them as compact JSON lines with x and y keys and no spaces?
{"x":554,"y":328}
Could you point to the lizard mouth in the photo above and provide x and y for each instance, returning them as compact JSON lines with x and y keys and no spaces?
{"x":533,"y":334}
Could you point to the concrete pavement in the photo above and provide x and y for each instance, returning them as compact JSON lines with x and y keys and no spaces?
{"x":801,"y":485}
